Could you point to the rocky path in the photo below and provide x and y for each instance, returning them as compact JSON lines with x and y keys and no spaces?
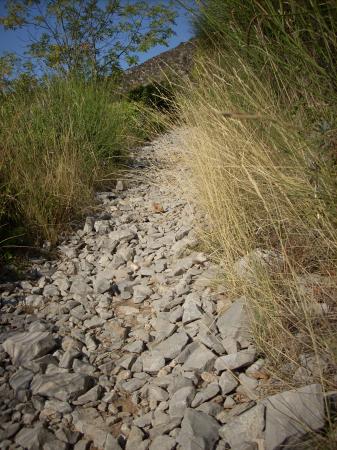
{"x":123,"y":343}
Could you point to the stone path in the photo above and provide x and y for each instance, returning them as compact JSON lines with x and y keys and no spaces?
{"x":122,"y":343}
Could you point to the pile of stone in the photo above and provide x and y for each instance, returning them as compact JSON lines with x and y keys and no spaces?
{"x":123,"y":343}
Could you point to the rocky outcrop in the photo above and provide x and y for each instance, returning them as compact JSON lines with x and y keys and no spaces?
{"x":175,"y":62}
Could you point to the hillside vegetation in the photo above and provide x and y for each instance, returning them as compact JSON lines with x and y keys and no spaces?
{"x":64,"y":129}
{"x":58,"y":143}
{"x":262,"y":154}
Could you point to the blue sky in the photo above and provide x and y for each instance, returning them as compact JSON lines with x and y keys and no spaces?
{"x":16,"y":41}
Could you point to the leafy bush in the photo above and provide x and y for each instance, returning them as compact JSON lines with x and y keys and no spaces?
{"x":57,"y":144}
{"x":155,"y":95}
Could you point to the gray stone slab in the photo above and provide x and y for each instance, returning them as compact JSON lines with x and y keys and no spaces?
{"x":198,"y":431}
{"x":245,"y":428}
{"x":292,"y":414}
{"x":172,"y":346}
{"x":62,"y":386}
{"x":27,"y":346}
{"x":236,"y":360}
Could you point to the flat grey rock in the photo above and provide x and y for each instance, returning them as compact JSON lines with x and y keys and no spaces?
{"x":165,"y":428}
{"x":248,"y":382}
{"x":80,"y":287}
{"x":181,"y":400}
{"x":8,"y":430}
{"x":93,"y":322}
{"x":34,"y":300}
{"x":134,"y":347}
{"x":135,"y":438}
{"x":132,"y":385}
{"x":58,"y":406}
{"x":292,"y":413}
{"x":101,"y":284}
{"x":143,"y":420}
{"x":153,"y":361}
{"x":176,"y":382}
{"x":172,"y":346}
{"x":89,"y":225}
{"x":157,"y":393}
{"x":163,"y":443}
{"x":257,"y":259}
{"x":176,"y":314}
{"x":206,"y":394}
{"x":111,"y":443}
{"x":198,"y":431}
{"x":228,"y":382}
{"x":68,"y":357}
{"x":61,"y":386}
{"x":164,"y":328}
{"x":51,"y":291}
{"x":141,"y":293}
{"x":192,"y":308}
{"x":122,"y":235}
{"x":245,"y":428}
{"x":78,"y":312}
{"x":89,"y":422}
{"x":210,"y":408}
{"x":233,"y":323}
{"x":55,"y":445}
{"x":21,"y":379}
{"x":211,"y":341}
{"x":83,"y":367}
{"x":92,"y":395}
{"x":34,"y":438}
{"x":234,"y":361}
{"x":27,"y":346}
{"x":200,"y":359}
{"x":82,"y":444}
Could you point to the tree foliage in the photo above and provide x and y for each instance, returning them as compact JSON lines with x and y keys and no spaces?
{"x":15,"y":74}
{"x":90,"y":37}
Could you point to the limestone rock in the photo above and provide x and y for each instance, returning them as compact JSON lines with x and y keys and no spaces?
{"x":27,"y":346}
{"x":245,"y":428}
{"x":192,"y":308}
{"x":172,"y":346}
{"x":198,"y":431}
{"x":292,"y":413}
{"x":21,"y":379}
{"x":181,"y":400}
{"x":34,"y":438}
{"x":201,"y":359}
{"x":61,"y":386}
{"x":234,"y":322}
{"x":227,"y":382}
{"x":234,"y":361}
{"x":206,"y":394}
{"x":141,"y":293}
{"x":153,"y":361}
{"x":163,"y":443}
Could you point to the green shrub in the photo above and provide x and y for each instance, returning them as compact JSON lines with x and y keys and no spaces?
{"x":155,"y":95}
{"x":57,"y":144}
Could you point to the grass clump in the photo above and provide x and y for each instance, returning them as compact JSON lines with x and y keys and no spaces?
{"x":262,"y":155}
{"x":58,"y":143}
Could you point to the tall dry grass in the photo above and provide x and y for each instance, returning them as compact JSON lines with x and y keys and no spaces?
{"x":261,"y":152}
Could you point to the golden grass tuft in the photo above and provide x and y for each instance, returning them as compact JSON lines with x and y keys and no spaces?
{"x":256,"y":174}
